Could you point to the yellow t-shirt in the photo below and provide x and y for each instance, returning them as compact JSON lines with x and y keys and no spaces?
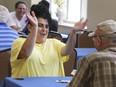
{"x":45,"y":59}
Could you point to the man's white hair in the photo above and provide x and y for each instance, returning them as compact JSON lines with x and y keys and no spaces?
{"x":4,"y":14}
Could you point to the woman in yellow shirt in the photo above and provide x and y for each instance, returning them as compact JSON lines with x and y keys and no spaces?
{"x":37,"y":55}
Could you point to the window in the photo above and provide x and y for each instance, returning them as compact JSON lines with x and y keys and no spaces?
{"x":74,"y":10}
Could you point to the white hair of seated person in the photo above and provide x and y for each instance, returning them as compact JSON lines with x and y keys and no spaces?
{"x":4,"y":14}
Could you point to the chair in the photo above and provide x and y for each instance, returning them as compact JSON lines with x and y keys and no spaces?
{"x":84,"y":41}
{"x":53,"y":34}
{"x":70,"y":64}
{"x":5,"y":68}
{"x":77,"y":37}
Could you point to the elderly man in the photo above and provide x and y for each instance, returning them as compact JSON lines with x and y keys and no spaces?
{"x":99,"y":69}
{"x":7,"y":34}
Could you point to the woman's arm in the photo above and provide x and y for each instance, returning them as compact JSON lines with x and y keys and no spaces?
{"x":70,"y":44}
{"x":28,"y":45}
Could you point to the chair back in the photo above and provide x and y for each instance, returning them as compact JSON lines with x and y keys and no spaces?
{"x":5,"y":68}
{"x":84,"y":41}
{"x":53,"y":34}
{"x":70,"y":64}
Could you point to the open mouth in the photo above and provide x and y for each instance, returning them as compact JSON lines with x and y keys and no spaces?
{"x":43,"y":34}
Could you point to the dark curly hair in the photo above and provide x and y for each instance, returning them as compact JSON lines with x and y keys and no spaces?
{"x":41,"y":11}
{"x":44,"y":2}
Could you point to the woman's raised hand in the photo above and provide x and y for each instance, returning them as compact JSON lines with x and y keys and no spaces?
{"x":79,"y":26}
{"x":32,"y":18}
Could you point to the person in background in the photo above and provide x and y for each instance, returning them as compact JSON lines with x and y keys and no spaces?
{"x":19,"y":19}
{"x":38,"y":55}
{"x":54,"y":23}
{"x":99,"y":69}
{"x":7,"y":34}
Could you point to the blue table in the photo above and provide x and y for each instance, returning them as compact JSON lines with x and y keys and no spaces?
{"x":64,"y":36}
{"x":81,"y":52}
{"x":35,"y":82}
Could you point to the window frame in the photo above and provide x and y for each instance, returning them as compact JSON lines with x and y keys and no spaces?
{"x":83,"y":10}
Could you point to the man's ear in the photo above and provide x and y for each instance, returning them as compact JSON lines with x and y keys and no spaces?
{"x":99,"y":41}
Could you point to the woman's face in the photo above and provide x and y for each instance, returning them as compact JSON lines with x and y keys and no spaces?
{"x":43,"y":29}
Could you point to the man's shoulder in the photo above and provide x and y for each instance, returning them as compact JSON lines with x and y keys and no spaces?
{"x":2,"y":24}
{"x":8,"y":31}
{"x":101,"y":56}
{"x":5,"y":27}
{"x":95,"y":55}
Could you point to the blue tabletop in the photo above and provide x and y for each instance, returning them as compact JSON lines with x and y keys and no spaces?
{"x":81,"y":52}
{"x":64,"y":36}
{"x":35,"y":82}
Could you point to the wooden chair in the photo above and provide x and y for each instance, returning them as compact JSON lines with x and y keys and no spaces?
{"x":84,"y":41}
{"x":53,"y":34}
{"x":70,"y":64}
{"x":5,"y":68}
{"x":77,"y":37}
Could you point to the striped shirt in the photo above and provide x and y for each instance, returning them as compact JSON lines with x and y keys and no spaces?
{"x":7,"y":36}
{"x":96,"y":70}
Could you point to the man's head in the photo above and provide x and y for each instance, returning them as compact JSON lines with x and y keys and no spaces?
{"x":4,"y":14}
{"x":20,"y":8}
{"x":104,"y":35}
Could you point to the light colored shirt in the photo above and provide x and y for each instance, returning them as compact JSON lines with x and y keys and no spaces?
{"x":96,"y":70}
{"x":18,"y":23}
{"x":7,"y":36}
{"x":45,"y":59}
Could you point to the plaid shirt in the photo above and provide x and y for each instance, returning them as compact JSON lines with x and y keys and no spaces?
{"x":96,"y":70}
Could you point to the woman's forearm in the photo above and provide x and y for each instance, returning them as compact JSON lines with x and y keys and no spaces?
{"x":70,"y":44}
{"x":28,"y":45}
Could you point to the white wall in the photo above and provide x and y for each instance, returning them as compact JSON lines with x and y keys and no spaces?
{"x":1,"y":2}
{"x":100,"y":10}
{"x":97,"y":11}
{"x":34,"y":1}
{"x":64,"y":29}
{"x":10,"y":4}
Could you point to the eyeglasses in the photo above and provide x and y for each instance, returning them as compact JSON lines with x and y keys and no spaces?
{"x":95,"y":36}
